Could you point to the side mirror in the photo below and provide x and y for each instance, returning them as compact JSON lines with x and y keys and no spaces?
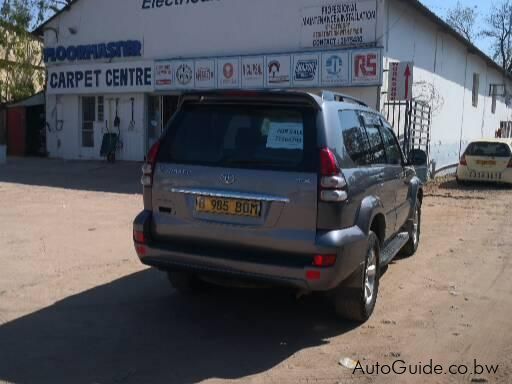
{"x":417,"y":158}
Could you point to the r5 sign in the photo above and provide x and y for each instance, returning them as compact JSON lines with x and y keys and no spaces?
{"x":366,"y":67}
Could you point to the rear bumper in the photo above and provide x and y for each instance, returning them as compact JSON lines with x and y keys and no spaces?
{"x":348,"y":244}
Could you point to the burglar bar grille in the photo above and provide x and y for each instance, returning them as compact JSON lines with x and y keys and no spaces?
{"x":411,"y":121}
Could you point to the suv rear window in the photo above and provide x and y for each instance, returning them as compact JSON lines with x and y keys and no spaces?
{"x":242,"y":136}
{"x":487,"y":149}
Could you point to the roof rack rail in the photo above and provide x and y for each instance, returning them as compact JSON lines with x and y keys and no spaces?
{"x":334,"y":96}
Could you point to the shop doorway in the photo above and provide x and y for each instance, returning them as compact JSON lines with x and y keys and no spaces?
{"x":160,"y":111}
{"x":87,"y":140}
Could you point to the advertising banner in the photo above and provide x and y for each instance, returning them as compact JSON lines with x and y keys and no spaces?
{"x":228,"y":70}
{"x":335,"y":68}
{"x":337,"y":25}
{"x":306,"y":70}
{"x":101,"y":78}
{"x":253,"y":72}
{"x":278,"y":71}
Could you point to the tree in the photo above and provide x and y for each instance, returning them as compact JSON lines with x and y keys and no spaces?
{"x":499,"y":29}
{"x":463,"y":19}
{"x":21,"y":69}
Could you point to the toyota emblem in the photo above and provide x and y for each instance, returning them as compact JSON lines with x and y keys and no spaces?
{"x":228,"y":178}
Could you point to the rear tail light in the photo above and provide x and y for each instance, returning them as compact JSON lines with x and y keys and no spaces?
{"x":148,"y":169}
{"x":313,"y":275}
{"x":463,"y":161}
{"x":510,"y":163}
{"x":332,"y":181}
{"x":324,"y":260}
{"x":139,"y":237}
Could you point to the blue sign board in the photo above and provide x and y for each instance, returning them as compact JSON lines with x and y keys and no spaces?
{"x":128,"y":48}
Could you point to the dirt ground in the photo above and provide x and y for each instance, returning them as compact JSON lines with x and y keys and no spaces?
{"x":76,"y":306}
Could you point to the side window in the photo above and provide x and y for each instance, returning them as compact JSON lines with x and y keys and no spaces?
{"x":373,"y":126}
{"x":354,"y":137}
{"x":392,"y":149}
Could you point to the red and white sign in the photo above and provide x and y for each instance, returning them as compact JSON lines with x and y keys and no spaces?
{"x":400,"y":79}
{"x":366,"y":67}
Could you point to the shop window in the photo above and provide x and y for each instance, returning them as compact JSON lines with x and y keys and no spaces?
{"x":88,"y":119}
{"x":101,"y":108}
{"x":476,"y":88}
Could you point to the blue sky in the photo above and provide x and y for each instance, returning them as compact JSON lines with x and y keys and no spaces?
{"x":441,"y":7}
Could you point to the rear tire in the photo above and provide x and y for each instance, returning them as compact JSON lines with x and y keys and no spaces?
{"x":414,"y":230}
{"x":355,"y":298}
{"x":184,"y":282}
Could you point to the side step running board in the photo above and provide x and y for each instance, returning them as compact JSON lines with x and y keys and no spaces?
{"x":392,"y":248}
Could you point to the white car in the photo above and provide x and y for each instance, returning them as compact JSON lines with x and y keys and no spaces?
{"x":486,"y":160}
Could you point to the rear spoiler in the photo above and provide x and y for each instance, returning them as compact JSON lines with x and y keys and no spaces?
{"x":252,"y":97}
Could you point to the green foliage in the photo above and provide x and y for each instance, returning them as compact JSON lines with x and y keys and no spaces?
{"x":21,"y":69}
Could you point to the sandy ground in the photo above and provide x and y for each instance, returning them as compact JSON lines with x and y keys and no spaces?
{"x":77,"y":307}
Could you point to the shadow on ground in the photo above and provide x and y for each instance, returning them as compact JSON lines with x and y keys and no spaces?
{"x":98,"y":176}
{"x":137,"y":330}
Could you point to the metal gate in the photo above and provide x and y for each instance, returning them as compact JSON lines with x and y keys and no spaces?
{"x":411,"y":121}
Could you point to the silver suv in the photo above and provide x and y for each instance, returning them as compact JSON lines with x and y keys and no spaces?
{"x":281,"y":187}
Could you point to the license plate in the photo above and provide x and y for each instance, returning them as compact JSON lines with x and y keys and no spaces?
{"x":486,"y":162}
{"x":222,"y":206}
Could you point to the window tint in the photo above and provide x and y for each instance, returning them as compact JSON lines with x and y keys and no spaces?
{"x":354,"y":137}
{"x":392,"y":150}
{"x":256,"y":137}
{"x":373,"y":125}
{"x":488,"y":149}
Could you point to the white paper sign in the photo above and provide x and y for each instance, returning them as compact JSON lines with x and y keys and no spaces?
{"x":339,"y":24}
{"x":253,"y":72}
{"x":306,"y":70}
{"x":285,"y":136}
{"x":228,"y":72}
{"x":335,"y":68}
{"x":205,"y":74}
{"x":278,"y":71}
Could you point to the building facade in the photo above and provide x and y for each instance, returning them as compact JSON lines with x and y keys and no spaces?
{"x":132,"y":60}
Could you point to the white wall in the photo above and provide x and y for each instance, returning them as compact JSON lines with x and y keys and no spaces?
{"x":69,"y":136}
{"x":206,"y":28}
{"x":446,"y":66}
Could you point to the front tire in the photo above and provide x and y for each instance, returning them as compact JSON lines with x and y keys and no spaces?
{"x":355,"y":298}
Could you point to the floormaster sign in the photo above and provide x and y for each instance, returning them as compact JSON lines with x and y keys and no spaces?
{"x":101,"y":78}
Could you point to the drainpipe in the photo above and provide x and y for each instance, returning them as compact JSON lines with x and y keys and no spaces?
{"x":463,"y":104}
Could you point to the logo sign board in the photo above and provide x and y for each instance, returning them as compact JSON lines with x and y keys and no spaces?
{"x":335,"y":68}
{"x":228,"y":70}
{"x":164,"y":74}
{"x":306,"y":70}
{"x":111,"y":50}
{"x":400,"y":80}
{"x":278,"y":71}
{"x":101,"y":78}
{"x":366,"y":67}
{"x":338,"y":25}
{"x":253,"y":72}
{"x":183,"y":74}
{"x":205,"y":74}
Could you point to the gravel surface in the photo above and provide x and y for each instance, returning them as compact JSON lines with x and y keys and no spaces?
{"x":76,"y":306}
